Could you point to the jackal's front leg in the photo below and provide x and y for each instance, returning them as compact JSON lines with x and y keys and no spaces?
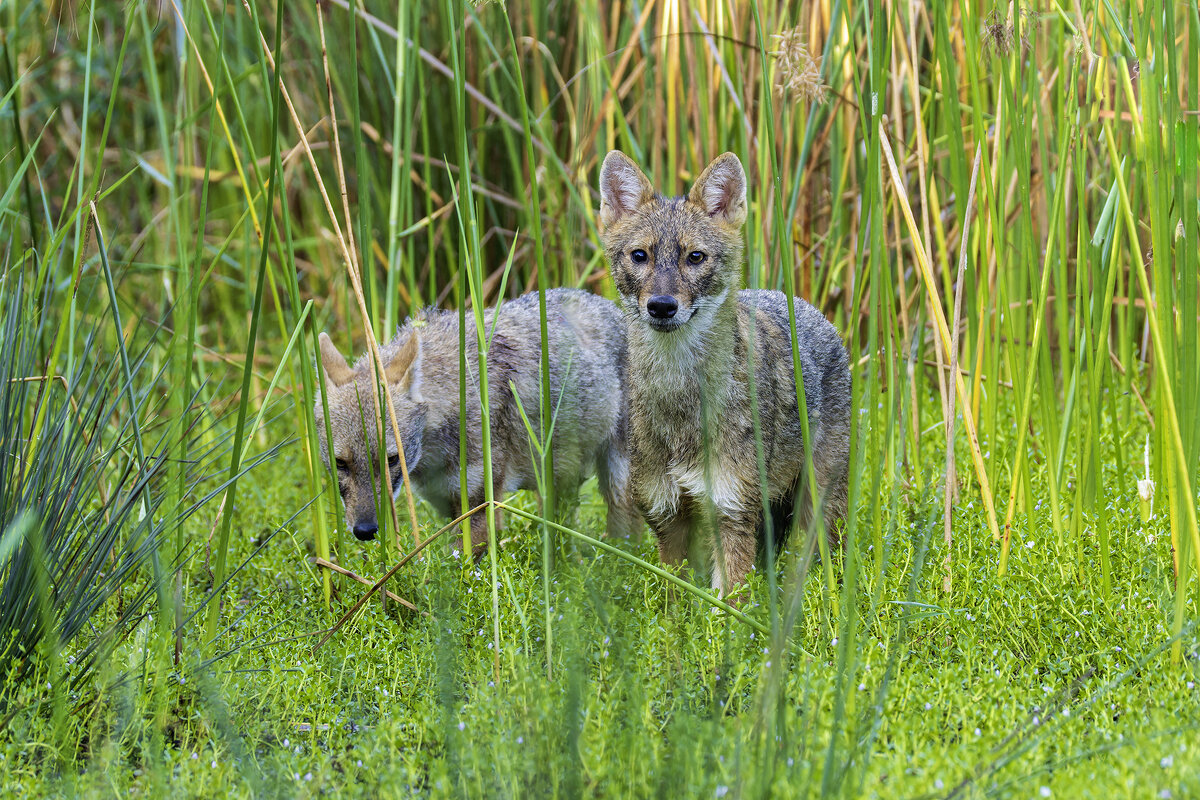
{"x":735,"y":550}
{"x":672,"y":535}
{"x":479,"y":531}
{"x":479,"y":522}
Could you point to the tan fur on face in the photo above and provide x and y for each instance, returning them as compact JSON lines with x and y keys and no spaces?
{"x":669,"y":231}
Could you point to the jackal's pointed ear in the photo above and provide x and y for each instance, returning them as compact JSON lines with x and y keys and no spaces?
{"x":403,"y":371}
{"x":623,"y":187}
{"x":721,"y":190}
{"x":337,"y":371}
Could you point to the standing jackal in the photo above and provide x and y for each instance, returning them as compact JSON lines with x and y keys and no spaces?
{"x":693,"y":340}
{"x":587,"y":356}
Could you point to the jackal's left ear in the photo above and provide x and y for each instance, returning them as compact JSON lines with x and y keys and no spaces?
{"x":721,"y":190}
{"x":403,"y":371}
{"x":623,"y":187}
{"x":337,"y":371}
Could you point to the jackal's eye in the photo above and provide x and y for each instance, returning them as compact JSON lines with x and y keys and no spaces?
{"x":393,"y":461}
{"x":342,"y":466}
{"x":638,"y":256}
{"x":696,"y":257}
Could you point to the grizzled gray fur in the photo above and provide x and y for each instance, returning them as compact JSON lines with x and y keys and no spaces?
{"x":587,"y":357}
{"x":693,"y":340}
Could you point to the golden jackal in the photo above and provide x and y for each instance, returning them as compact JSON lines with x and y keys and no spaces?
{"x":693,"y":340}
{"x":587,"y":355}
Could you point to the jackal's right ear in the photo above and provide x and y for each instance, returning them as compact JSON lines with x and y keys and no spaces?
{"x":337,"y":371}
{"x":402,"y":371}
{"x":623,"y":187}
{"x":721,"y":190}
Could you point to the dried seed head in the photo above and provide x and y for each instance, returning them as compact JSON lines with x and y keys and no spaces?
{"x":997,"y":35}
{"x":797,"y":74}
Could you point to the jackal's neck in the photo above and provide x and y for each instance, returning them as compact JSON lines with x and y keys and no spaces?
{"x":679,"y":365}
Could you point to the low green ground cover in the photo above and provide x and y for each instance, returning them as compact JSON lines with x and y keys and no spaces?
{"x":1030,"y":685}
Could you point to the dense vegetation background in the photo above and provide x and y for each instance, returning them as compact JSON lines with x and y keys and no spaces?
{"x":997,"y":205}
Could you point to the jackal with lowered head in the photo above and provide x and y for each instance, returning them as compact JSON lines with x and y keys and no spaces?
{"x":421,"y":373}
{"x":694,"y":341}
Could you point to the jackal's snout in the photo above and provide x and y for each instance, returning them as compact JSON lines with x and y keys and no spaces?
{"x":365,"y":530}
{"x":662,"y":306}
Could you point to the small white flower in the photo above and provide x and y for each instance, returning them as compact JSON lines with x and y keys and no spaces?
{"x":308,"y":776}
{"x":978,"y":732}
{"x":1167,"y":762}
{"x":722,"y":791}
{"x":214,"y":765}
{"x":1044,"y":791}
{"x":462,"y":726}
{"x":938,"y":784}
{"x":286,"y":743}
{"x":928,"y":706}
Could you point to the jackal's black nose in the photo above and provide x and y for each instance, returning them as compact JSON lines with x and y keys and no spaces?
{"x":365,"y":531}
{"x":662,"y":306}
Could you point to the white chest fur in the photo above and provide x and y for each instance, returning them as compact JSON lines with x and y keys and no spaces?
{"x":717,"y":485}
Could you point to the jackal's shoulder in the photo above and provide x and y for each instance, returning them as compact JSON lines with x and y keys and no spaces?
{"x":770,"y":308}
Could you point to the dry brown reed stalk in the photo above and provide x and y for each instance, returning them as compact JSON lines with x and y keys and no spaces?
{"x":399,"y":565}
{"x":339,"y":569}
{"x":233,"y":151}
{"x":628,"y":51}
{"x":352,"y":267}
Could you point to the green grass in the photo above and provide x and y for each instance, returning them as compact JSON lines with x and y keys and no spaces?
{"x":156,"y":169}
{"x":1064,"y":688}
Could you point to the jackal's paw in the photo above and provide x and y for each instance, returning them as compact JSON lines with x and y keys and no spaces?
{"x":481,"y":550}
